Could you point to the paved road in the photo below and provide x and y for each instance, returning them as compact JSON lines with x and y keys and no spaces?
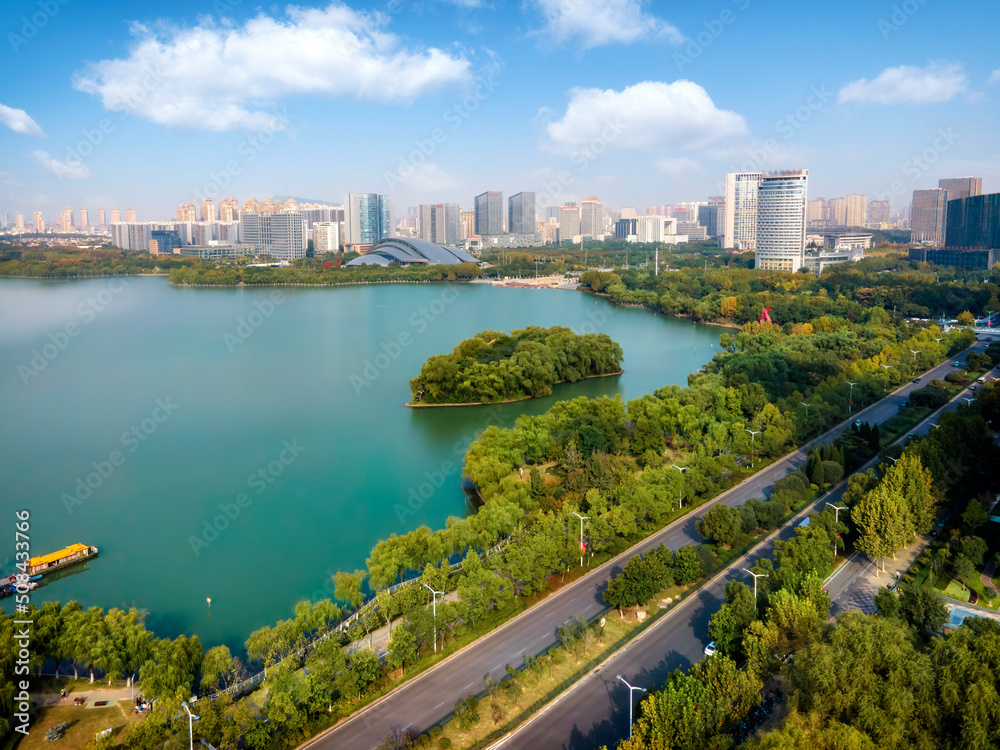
{"x":422,"y":702}
{"x":595,"y":712}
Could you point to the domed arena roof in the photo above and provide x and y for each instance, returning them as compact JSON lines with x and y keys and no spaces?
{"x":410,"y":250}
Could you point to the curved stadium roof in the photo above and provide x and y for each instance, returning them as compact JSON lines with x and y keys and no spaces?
{"x":410,"y":250}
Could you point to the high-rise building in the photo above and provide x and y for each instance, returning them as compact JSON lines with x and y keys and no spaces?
{"x":740,"y":231}
{"x":368,"y":218}
{"x":837,"y":212}
{"x":66,"y":220}
{"x":624,"y":228}
{"x":591,"y":217}
{"x":973,"y":223}
{"x":489,"y":214}
{"x":278,"y":234}
{"x":927,"y":221}
{"x":163,"y":241}
{"x":569,"y":222}
{"x":326,"y":237}
{"x":781,"y":220}
{"x":229,"y":209}
{"x":650,"y":228}
{"x":116,"y":215}
{"x":628,"y":212}
{"x":468,"y":220}
{"x":440,"y":223}
{"x":251,"y":204}
{"x":84,"y":219}
{"x":816,"y":210}
{"x":39,"y":224}
{"x":207,"y":209}
{"x":130,"y":215}
{"x":879,"y":213}
{"x":100,"y":217}
{"x":186,"y":212}
{"x":713,"y":216}
{"x":19,"y":220}
{"x":855,"y":208}
{"x":961,"y":187}
{"x":521,"y":213}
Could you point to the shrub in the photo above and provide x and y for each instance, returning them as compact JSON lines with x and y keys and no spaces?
{"x":444,"y":743}
{"x":833,"y":471}
{"x":437,"y":730}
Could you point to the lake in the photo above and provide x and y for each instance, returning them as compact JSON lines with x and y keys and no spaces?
{"x":245,"y":444}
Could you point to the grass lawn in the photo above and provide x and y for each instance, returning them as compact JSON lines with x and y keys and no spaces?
{"x":83,"y":724}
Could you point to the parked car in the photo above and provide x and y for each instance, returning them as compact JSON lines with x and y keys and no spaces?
{"x":710,"y":649}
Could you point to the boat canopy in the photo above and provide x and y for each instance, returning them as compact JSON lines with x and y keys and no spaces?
{"x":56,"y":556}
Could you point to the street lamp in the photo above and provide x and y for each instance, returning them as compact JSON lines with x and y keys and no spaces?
{"x":191,"y":718}
{"x":755,"y":577}
{"x":753,"y":439}
{"x":851,"y":396}
{"x":915,"y":352}
{"x":887,"y":368}
{"x":435,"y":607}
{"x":836,"y":520}
{"x":582,"y":519}
{"x":935,"y":424}
{"x":630,"y":691}
{"x":680,"y":494}
{"x":894,"y":460}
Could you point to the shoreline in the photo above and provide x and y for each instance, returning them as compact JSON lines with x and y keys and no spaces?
{"x":413,"y":405}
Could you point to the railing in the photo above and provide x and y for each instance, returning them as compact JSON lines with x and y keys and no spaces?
{"x":344,"y":625}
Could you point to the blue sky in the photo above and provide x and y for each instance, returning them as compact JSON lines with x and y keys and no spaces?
{"x":439,"y":100}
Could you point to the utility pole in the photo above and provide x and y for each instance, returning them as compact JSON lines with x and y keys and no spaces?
{"x":656,"y":272}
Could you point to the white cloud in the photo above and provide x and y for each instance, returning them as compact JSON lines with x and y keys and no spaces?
{"x":428,"y":177}
{"x":994,"y":78}
{"x":594,"y":23}
{"x":226,"y":77}
{"x":19,"y":121}
{"x":677,"y":165}
{"x":70,"y":170}
{"x":647,"y":116}
{"x":908,"y":84}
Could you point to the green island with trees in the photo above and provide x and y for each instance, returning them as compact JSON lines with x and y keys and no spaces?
{"x":612,"y":460}
{"x":496,"y":367}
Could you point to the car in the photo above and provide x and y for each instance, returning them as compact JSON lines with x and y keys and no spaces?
{"x":916,"y":380}
{"x":710,"y":649}
{"x":972,"y":387}
{"x":911,"y":435}
{"x":858,"y":423}
{"x":956,"y":364}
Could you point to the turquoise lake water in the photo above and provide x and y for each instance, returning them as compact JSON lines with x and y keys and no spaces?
{"x":135,"y":414}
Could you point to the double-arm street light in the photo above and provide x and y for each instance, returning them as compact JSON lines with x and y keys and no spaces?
{"x":436,"y":594}
{"x":582,"y":519}
{"x":191,"y":718}
{"x":915,"y":352}
{"x":680,"y":494}
{"x":836,"y":520}
{"x":753,"y":438}
{"x":630,"y":691}
{"x":850,"y":408}
{"x":887,"y":368}
{"x":755,"y":577}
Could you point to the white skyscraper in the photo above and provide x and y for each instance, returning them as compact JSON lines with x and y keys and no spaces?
{"x":592,"y":217}
{"x":740,"y":231}
{"x":781,"y":220}
{"x":326,"y":237}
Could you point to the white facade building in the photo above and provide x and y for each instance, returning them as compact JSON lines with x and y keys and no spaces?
{"x":326,"y":237}
{"x":740,"y":231}
{"x":781,"y":221}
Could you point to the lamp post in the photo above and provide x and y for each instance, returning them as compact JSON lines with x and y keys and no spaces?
{"x":755,"y":577}
{"x":836,"y":520}
{"x":850,"y":408}
{"x":582,"y":519}
{"x":753,"y":439}
{"x":191,"y":718}
{"x":630,"y":691}
{"x":934,"y":424}
{"x":887,"y":368}
{"x":915,"y":352}
{"x":894,"y":460}
{"x":434,"y":605}
{"x":680,"y":495}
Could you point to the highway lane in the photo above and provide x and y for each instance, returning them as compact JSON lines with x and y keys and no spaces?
{"x":422,"y":702}
{"x":595,"y":711}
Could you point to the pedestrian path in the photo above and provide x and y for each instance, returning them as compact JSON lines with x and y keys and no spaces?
{"x":860,"y":594}
{"x":92,"y":696}
{"x":987,"y":576}
{"x":379,"y":639}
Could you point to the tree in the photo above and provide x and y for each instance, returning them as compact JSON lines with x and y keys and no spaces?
{"x":965,"y":569}
{"x":974,"y":548}
{"x":347,"y":587}
{"x":215,"y":667}
{"x":974,"y":515}
{"x":965,"y":318}
{"x":686,"y":566}
{"x":402,"y":649}
{"x":727,"y":625}
{"x":887,"y":604}
{"x":921,"y":607}
{"x":722,"y":523}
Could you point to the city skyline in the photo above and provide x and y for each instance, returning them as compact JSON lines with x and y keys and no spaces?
{"x":639,"y":105}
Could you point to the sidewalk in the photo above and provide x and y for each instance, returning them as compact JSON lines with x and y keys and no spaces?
{"x":987,"y":576}
{"x":379,"y":641}
{"x":92,"y":696}
{"x":860,"y":593}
